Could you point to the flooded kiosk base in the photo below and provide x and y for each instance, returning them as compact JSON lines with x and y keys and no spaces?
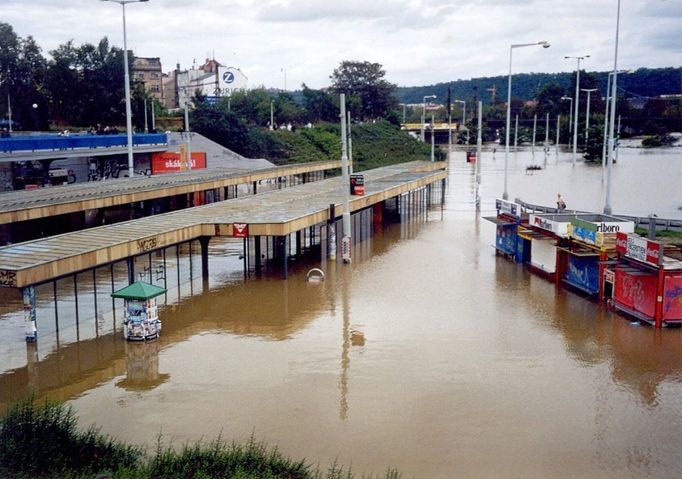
{"x":141,"y":312}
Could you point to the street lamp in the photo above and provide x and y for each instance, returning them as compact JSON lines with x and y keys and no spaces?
{"x":609,"y":98}
{"x":570,"y":113}
{"x":543,"y":44}
{"x":587,"y":113}
{"x":612,"y":119}
{"x":577,"y":102}
{"x":424,"y":115}
{"x":464,"y":116}
{"x":129,"y":121}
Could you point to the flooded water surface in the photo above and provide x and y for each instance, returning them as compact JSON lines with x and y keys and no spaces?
{"x":428,"y":353}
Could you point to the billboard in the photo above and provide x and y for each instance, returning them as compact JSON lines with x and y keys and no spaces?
{"x":169,"y":162}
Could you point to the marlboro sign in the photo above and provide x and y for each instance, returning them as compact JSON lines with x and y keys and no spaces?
{"x":240,"y":230}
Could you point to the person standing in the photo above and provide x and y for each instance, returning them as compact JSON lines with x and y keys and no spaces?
{"x":560,"y":203}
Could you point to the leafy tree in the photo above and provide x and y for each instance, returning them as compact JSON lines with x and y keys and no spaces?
{"x":85,"y":84}
{"x":22,"y":69}
{"x":549,"y":99}
{"x":319,"y":105}
{"x":369,"y":94}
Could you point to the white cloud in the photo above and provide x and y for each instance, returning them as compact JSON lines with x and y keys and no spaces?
{"x":418,"y":41}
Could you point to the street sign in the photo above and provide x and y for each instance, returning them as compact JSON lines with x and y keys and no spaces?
{"x":240,"y":230}
{"x":357,"y":185}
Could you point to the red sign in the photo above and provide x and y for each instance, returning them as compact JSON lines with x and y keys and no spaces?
{"x":357,"y":185}
{"x":641,"y":249}
{"x":636,"y":290}
{"x":240,"y":230}
{"x":169,"y":162}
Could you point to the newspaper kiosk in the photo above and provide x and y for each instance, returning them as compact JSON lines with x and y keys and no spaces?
{"x":141,"y":312}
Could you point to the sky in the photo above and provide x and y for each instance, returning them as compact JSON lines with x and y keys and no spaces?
{"x":284,"y":43}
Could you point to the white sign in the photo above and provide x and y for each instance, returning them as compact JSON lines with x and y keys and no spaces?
{"x":230,"y":80}
{"x":507,"y":207}
{"x":559,"y":228}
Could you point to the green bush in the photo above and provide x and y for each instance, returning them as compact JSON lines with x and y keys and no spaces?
{"x":42,"y":441}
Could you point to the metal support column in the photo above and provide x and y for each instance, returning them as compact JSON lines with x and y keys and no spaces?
{"x":203,"y":241}
{"x":131,"y":269}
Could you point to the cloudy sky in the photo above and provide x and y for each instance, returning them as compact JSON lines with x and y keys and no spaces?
{"x":417,"y":41}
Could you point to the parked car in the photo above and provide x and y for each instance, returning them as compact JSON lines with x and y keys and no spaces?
{"x":4,"y":123}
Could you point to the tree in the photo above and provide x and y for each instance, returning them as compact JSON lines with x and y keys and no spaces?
{"x":22,"y":69}
{"x":319,"y":105}
{"x":369,"y":94}
{"x":85,"y":84}
{"x":549,"y":100}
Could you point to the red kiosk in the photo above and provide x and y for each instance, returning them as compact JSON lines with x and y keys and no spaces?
{"x":647,"y":280}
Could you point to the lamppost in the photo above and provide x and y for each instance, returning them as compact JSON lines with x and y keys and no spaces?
{"x":577,"y":103}
{"x":543,"y":44}
{"x":129,"y":121}
{"x":570,"y":114}
{"x":464,"y":116}
{"x":587,"y":112}
{"x":612,"y":119}
{"x":424,"y":115}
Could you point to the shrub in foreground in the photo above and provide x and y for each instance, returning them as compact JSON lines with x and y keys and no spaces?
{"x":41,"y":441}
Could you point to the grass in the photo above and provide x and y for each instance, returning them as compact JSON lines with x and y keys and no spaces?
{"x":659,"y":234}
{"x":43,"y":441}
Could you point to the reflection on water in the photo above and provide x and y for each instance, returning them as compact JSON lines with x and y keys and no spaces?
{"x":428,"y":353}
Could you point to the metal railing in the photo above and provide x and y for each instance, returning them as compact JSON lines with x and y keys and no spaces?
{"x":662,"y":224}
{"x":79,"y":141}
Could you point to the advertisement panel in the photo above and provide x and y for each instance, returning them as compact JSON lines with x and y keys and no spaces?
{"x":583,"y":273}
{"x":169,"y":162}
{"x":641,"y":249}
{"x":672,"y":298}
{"x":559,"y":228}
{"x":505,"y":240}
{"x":507,"y":208}
{"x":636,"y":290}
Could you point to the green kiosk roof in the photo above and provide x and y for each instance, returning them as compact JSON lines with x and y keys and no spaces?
{"x":139,"y":290}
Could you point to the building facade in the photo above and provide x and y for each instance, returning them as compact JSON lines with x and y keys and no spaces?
{"x":148,"y":72}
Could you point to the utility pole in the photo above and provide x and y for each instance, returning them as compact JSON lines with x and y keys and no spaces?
{"x":433,"y":141}
{"x":516,"y":133}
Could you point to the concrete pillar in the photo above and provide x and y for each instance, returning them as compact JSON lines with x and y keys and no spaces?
{"x":298,"y":243}
{"x":255,"y":187}
{"x":29,"y":298}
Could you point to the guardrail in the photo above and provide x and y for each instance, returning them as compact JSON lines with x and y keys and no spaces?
{"x":86,"y":141}
{"x":662,"y":224}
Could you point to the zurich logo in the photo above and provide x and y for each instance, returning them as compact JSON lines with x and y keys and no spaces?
{"x":228,"y":77}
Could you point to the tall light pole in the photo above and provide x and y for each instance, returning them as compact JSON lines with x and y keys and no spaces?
{"x":577,"y":103}
{"x":346,"y":239}
{"x":587,"y":112}
{"x":464,"y":116}
{"x":433,"y":140}
{"x":126,"y":79}
{"x":544,"y":44}
{"x":612,"y":119}
{"x":424,"y":115}
{"x":570,"y":115}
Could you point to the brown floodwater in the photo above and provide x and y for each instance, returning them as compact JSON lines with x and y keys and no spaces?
{"x":428,"y":353}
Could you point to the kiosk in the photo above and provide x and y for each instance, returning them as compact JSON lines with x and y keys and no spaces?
{"x":648,"y":280}
{"x":141,"y":312}
{"x":508,"y":221}
{"x":590,"y":249}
